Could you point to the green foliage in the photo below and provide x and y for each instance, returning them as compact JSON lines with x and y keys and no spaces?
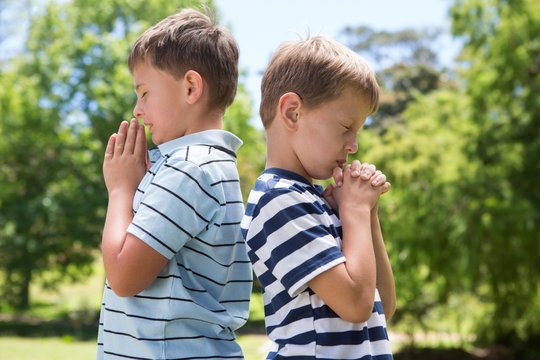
{"x":60,"y":99}
{"x":252,"y":154}
{"x":501,"y":68}
{"x":406,"y":64}
{"x":462,"y":220}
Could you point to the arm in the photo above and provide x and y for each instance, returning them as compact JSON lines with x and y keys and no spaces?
{"x":130,"y":264}
{"x":385,"y":276}
{"x":356,"y":278}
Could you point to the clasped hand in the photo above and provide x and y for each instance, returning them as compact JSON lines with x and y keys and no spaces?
{"x":126,"y":159}
{"x":360,"y":184}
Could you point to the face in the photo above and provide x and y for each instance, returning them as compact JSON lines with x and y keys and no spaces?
{"x":328,"y":133}
{"x":160,"y":103}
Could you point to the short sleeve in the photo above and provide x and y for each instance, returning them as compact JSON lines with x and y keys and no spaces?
{"x":295,"y":238}
{"x":178,"y":205}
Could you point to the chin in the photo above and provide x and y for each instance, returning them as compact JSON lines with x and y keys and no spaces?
{"x":322,"y":176}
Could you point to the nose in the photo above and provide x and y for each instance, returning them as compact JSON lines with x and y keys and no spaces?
{"x":352,"y":146}
{"x":137,"y":110}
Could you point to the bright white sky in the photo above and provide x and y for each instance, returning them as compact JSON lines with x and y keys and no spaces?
{"x":259,"y":26}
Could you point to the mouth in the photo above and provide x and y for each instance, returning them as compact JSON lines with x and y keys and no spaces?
{"x":340,"y":163}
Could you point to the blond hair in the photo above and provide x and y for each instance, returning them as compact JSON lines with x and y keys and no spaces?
{"x":190,"y":40}
{"x":318,"y":69}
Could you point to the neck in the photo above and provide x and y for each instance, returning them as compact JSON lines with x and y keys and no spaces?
{"x":281,"y":154}
{"x":209,"y":120}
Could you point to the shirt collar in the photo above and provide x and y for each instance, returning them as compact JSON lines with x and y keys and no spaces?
{"x":286,"y":174}
{"x":219,"y":138}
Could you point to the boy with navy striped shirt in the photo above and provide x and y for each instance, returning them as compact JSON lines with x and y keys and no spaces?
{"x":328,"y":286}
{"x":178,"y":275}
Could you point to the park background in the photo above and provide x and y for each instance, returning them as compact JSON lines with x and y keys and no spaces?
{"x":457,"y":133}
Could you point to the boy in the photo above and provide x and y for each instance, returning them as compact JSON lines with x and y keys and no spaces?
{"x":178,"y":275}
{"x":319,"y":256}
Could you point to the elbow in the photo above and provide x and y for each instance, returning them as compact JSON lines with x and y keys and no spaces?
{"x":389,"y":310}
{"x":359,"y":312}
{"x":120,"y":292}
{"x":123,"y":288}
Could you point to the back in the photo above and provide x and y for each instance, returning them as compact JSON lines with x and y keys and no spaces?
{"x":293,"y":236}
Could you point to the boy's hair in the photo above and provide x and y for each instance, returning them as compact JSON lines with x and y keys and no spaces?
{"x":190,"y":40}
{"x":318,"y":69}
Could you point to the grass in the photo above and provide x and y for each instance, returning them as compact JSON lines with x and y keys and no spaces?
{"x":62,"y":324}
{"x":17,"y":348}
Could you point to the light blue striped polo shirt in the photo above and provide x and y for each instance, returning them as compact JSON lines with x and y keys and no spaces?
{"x":293,"y":236}
{"x":188,"y":207}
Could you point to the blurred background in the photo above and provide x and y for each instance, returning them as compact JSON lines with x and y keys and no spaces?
{"x":457,"y":133}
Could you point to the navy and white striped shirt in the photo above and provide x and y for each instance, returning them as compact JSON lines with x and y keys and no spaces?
{"x":293,"y":236}
{"x":188,"y":207}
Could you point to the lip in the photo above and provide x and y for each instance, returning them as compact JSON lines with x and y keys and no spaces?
{"x":340,"y":163}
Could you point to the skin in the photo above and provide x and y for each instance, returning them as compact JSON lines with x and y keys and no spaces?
{"x":315,"y":142}
{"x":170,"y":108}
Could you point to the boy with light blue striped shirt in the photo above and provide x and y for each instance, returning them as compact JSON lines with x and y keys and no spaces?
{"x":178,"y":275}
{"x":328,"y":286}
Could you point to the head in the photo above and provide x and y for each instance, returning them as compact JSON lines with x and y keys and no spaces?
{"x":320,"y":93}
{"x":190,"y":40}
{"x":318,"y":69}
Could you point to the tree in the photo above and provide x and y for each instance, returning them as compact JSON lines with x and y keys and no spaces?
{"x":60,"y":99}
{"x":501,"y":69}
{"x":462,"y":219}
{"x":406,"y":63}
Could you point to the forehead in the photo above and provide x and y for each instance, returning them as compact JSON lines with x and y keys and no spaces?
{"x":145,"y":74}
{"x":349,"y":103}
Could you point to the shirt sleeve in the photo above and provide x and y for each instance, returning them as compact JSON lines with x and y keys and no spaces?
{"x":294,"y":237}
{"x":178,"y":205}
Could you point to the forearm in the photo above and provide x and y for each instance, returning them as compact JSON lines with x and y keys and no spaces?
{"x":360,"y":257}
{"x":119,"y":216}
{"x":385,"y":276}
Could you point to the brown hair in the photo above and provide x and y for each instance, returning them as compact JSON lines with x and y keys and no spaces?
{"x":190,"y":40}
{"x":318,"y":69}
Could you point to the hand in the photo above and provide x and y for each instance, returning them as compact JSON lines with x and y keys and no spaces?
{"x":367,"y":172}
{"x":126,"y":159}
{"x":363,"y":174}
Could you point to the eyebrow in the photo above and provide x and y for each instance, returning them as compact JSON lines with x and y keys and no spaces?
{"x":138,"y":86}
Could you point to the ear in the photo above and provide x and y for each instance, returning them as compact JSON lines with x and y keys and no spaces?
{"x":289,"y":106}
{"x":193,"y":86}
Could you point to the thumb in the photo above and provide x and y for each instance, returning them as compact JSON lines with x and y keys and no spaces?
{"x":337,"y":174}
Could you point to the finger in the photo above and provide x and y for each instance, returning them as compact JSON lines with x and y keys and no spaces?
{"x":121,"y":137}
{"x":131,"y":137}
{"x":109,"y":150}
{"x":386,"y":187}
{"x":367,"y":171}
{"x":356,"y":166}
{"x":328,"y":191}
{"x":378,"y":178}
{"x":337,"y":174}
{"x":140,"y":145}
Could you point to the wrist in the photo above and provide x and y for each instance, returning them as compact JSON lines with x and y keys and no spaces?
{"x":354,"y":213}
{"x":121,"y":194}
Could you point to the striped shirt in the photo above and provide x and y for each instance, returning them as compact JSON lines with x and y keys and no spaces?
{"x":293,"y":236}
{"x":188,"y":207}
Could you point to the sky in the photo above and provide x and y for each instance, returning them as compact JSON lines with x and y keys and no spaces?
{"x":259,"y":26}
